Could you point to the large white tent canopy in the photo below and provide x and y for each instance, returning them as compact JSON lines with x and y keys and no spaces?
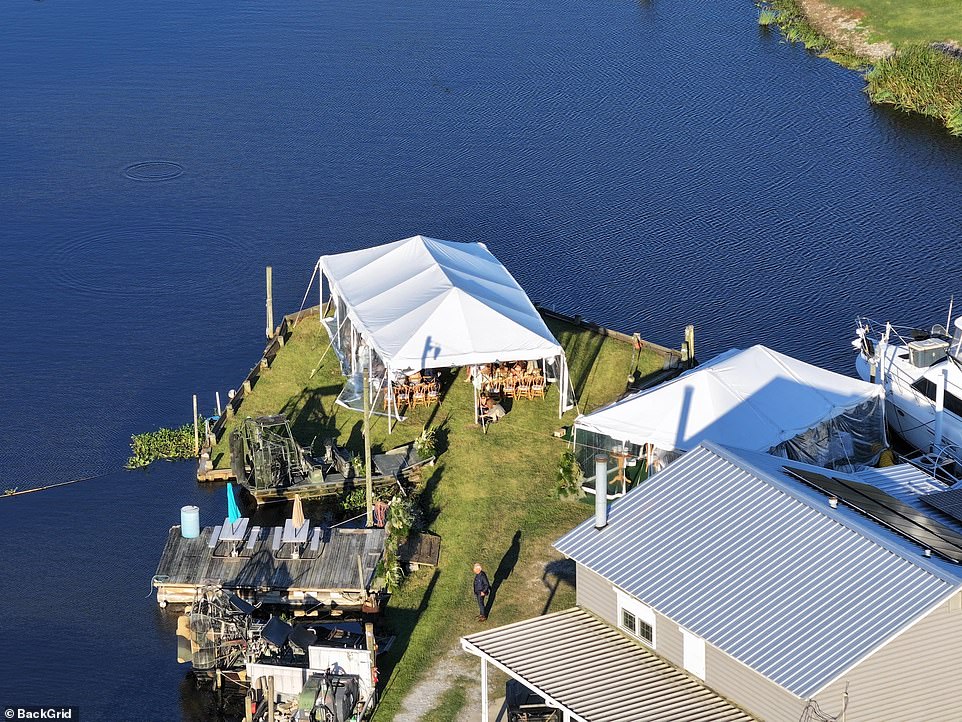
{"x":754,"y":399}
{"x":426,"y":303}
{"x":423,"y":303}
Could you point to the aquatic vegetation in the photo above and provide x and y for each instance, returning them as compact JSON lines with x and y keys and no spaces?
{"x":767,"y":17}
{"x":161,"y":445}
{"x":920,"y":79}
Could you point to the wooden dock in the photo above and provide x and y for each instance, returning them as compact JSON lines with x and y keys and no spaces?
{"x":329,"y":566}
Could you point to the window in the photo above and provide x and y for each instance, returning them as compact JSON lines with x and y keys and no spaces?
{"x":636,"y":618}
{"x":926,"y":387}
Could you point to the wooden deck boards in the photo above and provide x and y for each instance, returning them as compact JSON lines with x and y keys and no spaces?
{"x":332,"y":567}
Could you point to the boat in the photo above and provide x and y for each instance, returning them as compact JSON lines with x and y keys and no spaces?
{"x":921,"y":372}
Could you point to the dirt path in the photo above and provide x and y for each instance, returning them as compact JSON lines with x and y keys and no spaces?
{"x":845,"y":28}
{"x":426,"y":694}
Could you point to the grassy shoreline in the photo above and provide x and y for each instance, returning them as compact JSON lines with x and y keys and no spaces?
{"x":491,"y":496}
{"x":917,"y":77}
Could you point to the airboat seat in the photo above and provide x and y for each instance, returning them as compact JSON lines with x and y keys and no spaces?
{"x":214,"y":537}
{"x":316,"y":538}
{"x":234,"y":532}
{"x":296,"y":536}
{"x":253,"y":538}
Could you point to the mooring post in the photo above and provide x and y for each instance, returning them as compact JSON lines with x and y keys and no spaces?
{"x":270,"y":699}
{"x":196,"y":428}
{"x":270,"y":302}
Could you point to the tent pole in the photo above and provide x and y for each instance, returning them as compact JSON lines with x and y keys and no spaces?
{"x":368,"y":485}
{"x":390,"y":399}
{"x":475,"y":395}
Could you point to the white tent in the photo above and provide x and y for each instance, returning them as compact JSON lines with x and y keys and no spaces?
{"x":756,"y":399}
{"x":423,"y":303}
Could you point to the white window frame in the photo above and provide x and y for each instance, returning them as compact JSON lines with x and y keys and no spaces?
{"x":641,"y":612}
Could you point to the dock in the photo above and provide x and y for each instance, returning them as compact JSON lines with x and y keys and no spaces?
{"x":308,"y":567}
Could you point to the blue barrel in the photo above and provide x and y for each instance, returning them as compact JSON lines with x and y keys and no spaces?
{"x":189,"y":522}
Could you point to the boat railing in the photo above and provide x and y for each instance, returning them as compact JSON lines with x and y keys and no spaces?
{"x":944,"y":462}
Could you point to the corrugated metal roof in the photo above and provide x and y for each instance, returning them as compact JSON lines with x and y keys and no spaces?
{"x":597,"y":673}
{"x":760,"y":566}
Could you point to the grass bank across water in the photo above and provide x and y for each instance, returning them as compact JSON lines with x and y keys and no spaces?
{"x":921,"y":77}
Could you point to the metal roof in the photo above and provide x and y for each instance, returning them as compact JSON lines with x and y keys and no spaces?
{"x":597,"y":673}
{"x":759,"y":565}
{"x":911,"y":484}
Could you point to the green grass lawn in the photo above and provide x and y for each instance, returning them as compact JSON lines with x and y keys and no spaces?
{"x":490,"y":496}
{"x":907,"y":21}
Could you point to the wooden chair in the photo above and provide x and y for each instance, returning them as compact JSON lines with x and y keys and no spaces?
{"x":508,"y":387}
{"x":523,"y":389}
{"x":537,"y":387}
{"x":419,"y":396}
{"x":402,"y":394}
{"x":433,"y":391}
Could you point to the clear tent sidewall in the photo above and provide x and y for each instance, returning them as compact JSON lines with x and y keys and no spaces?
{"x":852,"y":439}
{"x":350,"y":345}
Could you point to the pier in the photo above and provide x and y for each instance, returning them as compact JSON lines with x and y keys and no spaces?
{"x":306,"y":567}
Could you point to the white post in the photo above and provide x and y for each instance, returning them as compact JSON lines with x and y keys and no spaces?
{"x":939,"y":408}
{"x":217,"y":398}
{"x":484,"y":690}
{"x":474,"y":393}
{"x":390,"y":397}
{"x":320,"y":290}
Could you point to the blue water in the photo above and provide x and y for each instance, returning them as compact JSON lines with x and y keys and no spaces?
{"x":646,"y":163}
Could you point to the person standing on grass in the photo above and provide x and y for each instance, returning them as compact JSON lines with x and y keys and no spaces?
{"x":482,"y":588}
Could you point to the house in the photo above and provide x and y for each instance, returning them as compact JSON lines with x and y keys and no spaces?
{"x":787,"y":590}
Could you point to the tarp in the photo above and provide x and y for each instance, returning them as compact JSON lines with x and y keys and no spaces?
{"x":754,"y":399}
{"x":426,"y":303}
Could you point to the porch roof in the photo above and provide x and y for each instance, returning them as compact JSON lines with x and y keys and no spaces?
{"x":590,"y":670}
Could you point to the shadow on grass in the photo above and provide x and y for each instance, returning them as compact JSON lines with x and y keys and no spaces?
{"x":402,"y":623}
{"x":429,"y":507}
{"x":308,"y":417}
{"x":556,"y":573}
{"x":505,"y":567}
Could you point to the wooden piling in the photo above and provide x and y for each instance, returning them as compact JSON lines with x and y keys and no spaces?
{"x":270,"y":302}
{"x":196,"y":429}
{"x":270,"y":699}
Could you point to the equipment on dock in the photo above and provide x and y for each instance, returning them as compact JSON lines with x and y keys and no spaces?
{"x":264,"y":455}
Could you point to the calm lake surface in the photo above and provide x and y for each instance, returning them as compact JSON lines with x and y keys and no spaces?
{"x":646,"y":163}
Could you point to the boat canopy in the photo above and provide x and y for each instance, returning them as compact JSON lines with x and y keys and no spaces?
{"x":755,"y":399}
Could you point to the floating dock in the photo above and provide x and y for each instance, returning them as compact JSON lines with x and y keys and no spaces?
{"x":306,"y":567}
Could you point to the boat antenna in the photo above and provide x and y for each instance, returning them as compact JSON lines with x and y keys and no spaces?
{"x":948,"y":323}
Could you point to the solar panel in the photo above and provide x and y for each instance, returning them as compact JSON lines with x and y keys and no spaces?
{"x":949,"y":502}
{"x":887,"y":510}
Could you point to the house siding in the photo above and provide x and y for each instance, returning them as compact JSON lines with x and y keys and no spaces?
{"x":914,"y":678}
{"x":595,"y":593}
{"x":746,"y":687}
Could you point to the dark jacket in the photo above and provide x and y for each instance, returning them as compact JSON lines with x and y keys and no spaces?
{"x":481,"y":583}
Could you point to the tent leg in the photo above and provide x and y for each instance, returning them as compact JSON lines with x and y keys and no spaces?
{"x":390,"y":400}
{"x":475,"y":395}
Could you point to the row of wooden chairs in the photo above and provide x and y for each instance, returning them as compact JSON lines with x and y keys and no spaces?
{"x":414,"y":395}
{"x":526,"y":386}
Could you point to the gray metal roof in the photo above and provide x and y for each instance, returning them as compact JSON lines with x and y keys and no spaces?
{"x":597,"y":673}
{"x":760,"y":566}
{"x":909,"y":484}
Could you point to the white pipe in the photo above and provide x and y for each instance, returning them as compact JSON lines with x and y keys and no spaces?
{"x":939,"y":408}
{"x":601,"y":490}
